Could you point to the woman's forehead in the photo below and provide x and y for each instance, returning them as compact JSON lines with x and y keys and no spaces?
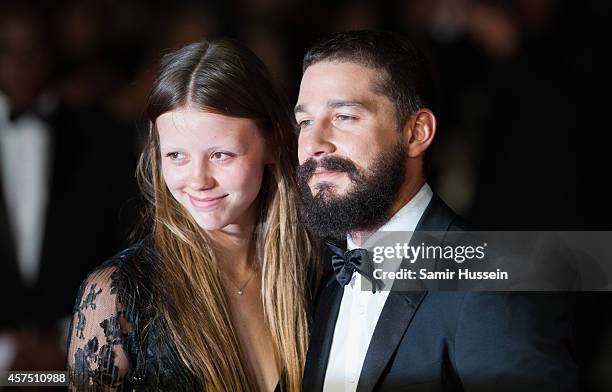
{"x":201,"y":127}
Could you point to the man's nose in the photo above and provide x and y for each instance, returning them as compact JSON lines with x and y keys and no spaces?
{"x":318,"y":141}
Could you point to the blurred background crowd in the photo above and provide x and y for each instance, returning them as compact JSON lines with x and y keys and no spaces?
{"x":522,"y":138}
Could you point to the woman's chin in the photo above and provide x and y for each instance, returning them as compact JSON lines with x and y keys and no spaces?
{"x":211,"y":225}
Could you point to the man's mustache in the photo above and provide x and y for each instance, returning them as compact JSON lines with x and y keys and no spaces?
{"x":306,"y":170}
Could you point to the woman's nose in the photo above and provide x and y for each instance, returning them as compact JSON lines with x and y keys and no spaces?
{"x":201,"y":177}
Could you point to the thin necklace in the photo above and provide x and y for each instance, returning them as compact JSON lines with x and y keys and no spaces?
{"x":240,"y":290}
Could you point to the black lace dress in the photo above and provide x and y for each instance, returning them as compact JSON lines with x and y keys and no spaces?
{"x":117,"y":341}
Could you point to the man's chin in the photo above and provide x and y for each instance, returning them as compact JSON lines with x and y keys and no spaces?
{"x":328,"y":193}
{"x":327,"y":188}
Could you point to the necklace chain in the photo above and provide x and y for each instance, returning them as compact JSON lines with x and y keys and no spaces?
{"x":240,"y":290}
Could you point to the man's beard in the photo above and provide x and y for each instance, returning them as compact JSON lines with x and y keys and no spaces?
{"x":366,"y":205}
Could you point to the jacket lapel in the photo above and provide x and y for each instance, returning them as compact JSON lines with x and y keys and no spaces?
{"x":392,"y":324}
{"x":400,"y":306}
{"x":324,"y":323}
{"x":437,"y":217}
{"x":8,"y":249}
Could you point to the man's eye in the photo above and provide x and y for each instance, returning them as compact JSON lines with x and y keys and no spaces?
{"x":175,"y":156}
{"x":304,"y":123}
{"x":344,"y":117}
{"x":220,"y":156}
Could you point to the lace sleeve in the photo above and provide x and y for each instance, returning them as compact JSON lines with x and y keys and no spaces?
{"x":97,"y":355}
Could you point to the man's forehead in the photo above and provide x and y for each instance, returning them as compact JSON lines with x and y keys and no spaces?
{"x":335,"y":71}
{"x":333,"y":95}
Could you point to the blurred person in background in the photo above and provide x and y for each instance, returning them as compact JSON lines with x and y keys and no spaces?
{"x":64,"y":179}
{"x":216,"y":297}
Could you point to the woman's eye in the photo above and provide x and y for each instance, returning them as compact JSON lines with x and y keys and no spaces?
{"x":175,"y":156}
{"x":220,"y":156}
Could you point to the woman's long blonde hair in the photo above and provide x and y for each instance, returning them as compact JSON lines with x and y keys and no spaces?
{"x":226,"y":78}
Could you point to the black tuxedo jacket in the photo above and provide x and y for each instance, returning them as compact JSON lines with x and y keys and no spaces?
{"x":92,"y":208}
{"x":454,"y":341}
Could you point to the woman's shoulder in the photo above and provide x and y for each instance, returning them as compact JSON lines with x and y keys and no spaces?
{"x":135,"y":258}
{"x":139,"y":254}
{"x":126,"y":273}
{"x":104,"y":333}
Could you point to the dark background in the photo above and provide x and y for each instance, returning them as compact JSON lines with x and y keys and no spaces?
{"x":523,"y":138}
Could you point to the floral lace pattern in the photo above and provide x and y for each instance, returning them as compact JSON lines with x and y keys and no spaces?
{"x":107,"y":348}
{"x":97,"y":357}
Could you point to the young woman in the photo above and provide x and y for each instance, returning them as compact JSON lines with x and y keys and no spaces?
{"x":215,"y":298}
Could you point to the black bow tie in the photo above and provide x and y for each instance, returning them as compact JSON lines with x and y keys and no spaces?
{"x":354,"y":260}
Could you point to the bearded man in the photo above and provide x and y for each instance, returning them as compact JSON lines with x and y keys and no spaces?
{"x":365,"y":126}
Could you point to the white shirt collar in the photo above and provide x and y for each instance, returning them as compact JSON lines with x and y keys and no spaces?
{"x":407,"y":218}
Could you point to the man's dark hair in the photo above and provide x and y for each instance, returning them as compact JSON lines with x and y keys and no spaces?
{"x":405,"y":75}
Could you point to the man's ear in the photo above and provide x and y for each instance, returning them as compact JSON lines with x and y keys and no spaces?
{"x":419,"y":132}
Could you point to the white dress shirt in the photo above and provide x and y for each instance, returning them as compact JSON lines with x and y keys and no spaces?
{"x":25,"y":158}
{"x":360,"y":309}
